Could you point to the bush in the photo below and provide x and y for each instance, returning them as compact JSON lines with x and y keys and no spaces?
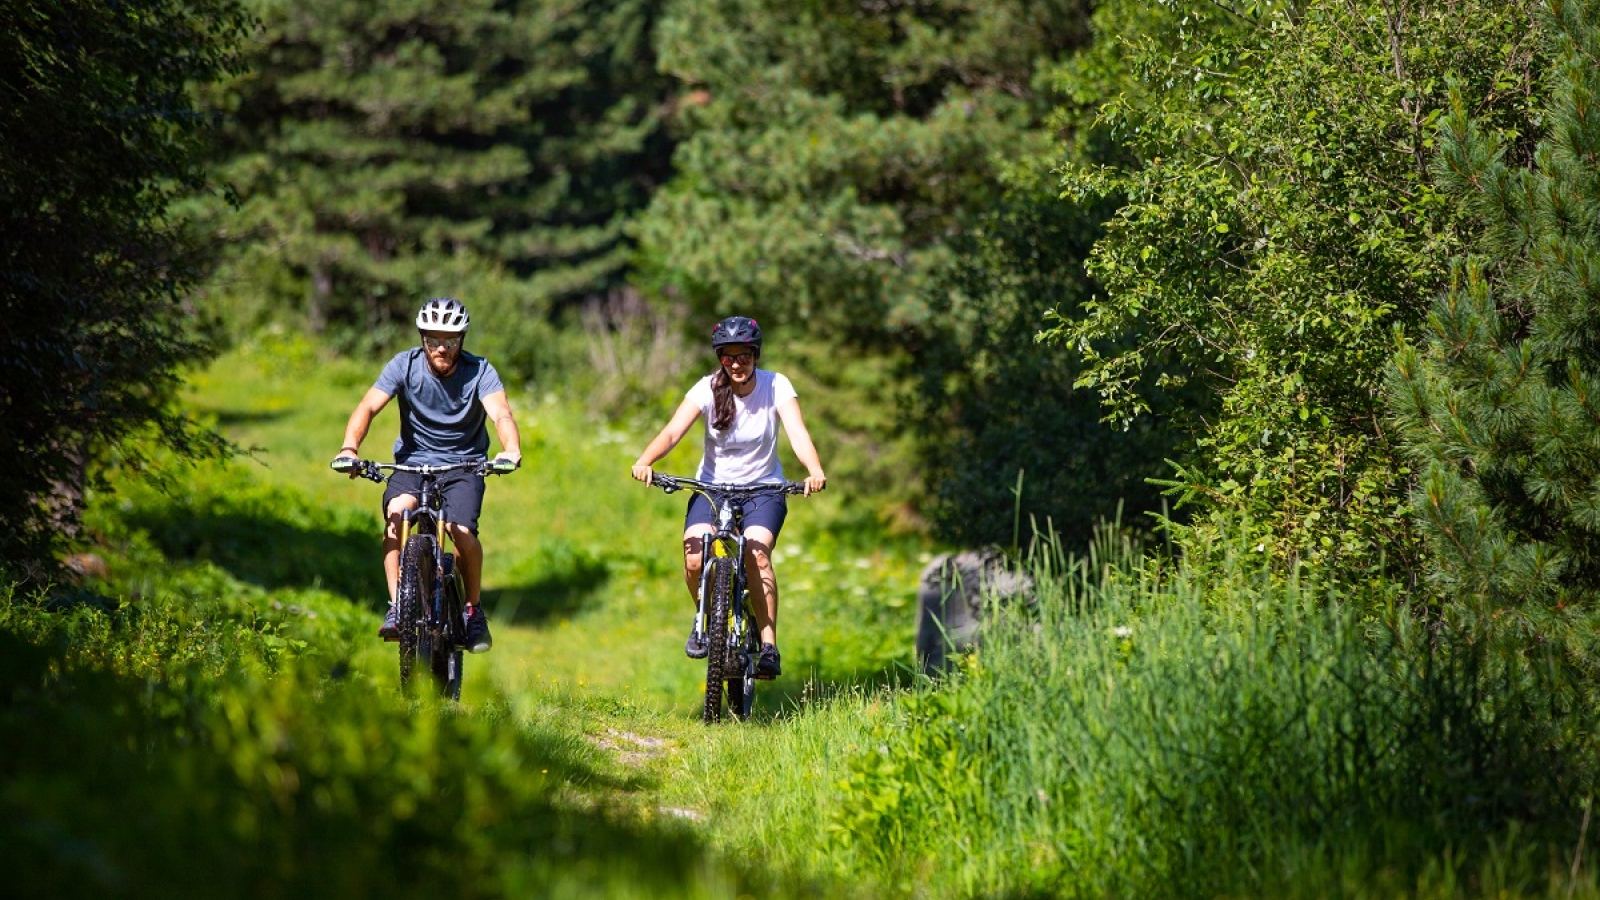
{"x":159,"y":750}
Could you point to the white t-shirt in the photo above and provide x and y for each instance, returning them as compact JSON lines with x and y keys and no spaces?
{"x":747,"y":452}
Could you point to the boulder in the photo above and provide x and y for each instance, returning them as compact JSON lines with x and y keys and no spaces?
{"x":954,"y":592}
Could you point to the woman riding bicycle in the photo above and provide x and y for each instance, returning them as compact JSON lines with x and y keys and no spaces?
{"x":742,"y":406}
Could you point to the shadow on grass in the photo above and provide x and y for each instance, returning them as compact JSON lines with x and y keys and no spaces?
{"x":272,"y":552}
{"x":556,"y":581}
{"x":227,"y":418}
{"x":798,"y":689}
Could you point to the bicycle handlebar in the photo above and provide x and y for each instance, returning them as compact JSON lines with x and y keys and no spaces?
{"x":373,"y":471}
{"x":672,"y":484}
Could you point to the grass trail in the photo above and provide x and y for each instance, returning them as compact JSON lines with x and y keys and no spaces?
{"x":582,"y":575}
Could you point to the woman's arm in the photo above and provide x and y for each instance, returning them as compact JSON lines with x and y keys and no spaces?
{"x":794,"y":425}
{"x":676,"y":428}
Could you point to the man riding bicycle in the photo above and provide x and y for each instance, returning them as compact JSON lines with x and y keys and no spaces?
{"x":446,"y":396}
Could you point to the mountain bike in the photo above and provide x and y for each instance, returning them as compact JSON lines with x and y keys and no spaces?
{"x":723,"y":612}
{"x":431,"y":593}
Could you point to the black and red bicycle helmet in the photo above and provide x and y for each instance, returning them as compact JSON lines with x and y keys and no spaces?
{"x":736,"y":330}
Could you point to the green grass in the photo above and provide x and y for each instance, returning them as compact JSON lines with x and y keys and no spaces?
{"x":1232,"y":732}
{"x":159,"y":750}
{"x":582,"y":570}
{"x":252,"y":591}
{"x":1225,"y":733}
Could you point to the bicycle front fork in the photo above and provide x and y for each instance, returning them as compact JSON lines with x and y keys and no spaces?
{"x":740,"y":598}
{"x":706,"y":548}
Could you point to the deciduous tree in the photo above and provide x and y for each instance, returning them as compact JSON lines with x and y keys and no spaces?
{"x":1281,"y":219}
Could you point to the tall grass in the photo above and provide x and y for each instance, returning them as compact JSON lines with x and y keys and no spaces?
{"x":1236,"y":733}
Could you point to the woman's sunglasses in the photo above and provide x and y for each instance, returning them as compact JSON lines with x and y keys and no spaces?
{"x":743,"y":359}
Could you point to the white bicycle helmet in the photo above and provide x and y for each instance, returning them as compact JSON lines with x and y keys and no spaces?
{"x":443,"y":314}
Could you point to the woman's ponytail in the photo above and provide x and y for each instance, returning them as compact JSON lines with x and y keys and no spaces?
{"x":721,"y":400}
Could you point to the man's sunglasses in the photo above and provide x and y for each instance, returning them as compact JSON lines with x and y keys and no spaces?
{"x":743,"y":359}
{"x":437,"y":343}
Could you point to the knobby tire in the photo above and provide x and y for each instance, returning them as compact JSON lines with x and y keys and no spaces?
{"x":740,"y":671}
{"x":445,"y":660}
{"x":719,"y":661}
{"x":415,"y":591}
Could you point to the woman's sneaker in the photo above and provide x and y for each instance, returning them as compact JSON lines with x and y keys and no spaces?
{"x":478,"y":640}
{"x":695,"y":647}
{"x":390,"y":630}
{"x":768,"y":663}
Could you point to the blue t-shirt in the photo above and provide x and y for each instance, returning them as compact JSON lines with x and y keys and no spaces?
{"x":441,"y":419}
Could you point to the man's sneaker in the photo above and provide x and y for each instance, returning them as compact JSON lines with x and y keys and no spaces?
{"x":391,"y":629}
{"x":768,"y":664}
{"x":695,"y":647}
{"x":478,"y":640}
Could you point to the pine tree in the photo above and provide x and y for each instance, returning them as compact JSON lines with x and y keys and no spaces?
{"x":1500,"y":405}
{"x":840,"y":146}
{"x":389,"y":151}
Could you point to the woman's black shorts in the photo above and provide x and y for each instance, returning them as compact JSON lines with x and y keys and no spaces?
{"x":767,"y":512}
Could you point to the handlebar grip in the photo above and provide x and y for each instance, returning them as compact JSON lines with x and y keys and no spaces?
{"x":500,"y":467}
{"x":346,"y":465}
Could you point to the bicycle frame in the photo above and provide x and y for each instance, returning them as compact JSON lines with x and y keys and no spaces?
{"x":440,"y":632}
{"x":430,"y":506}
{"x":437,"y":633}
{"x":727,"y":541}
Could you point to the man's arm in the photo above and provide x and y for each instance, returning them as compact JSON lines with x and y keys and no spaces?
{"x":355,"y":431}
{"x":505,"y":426}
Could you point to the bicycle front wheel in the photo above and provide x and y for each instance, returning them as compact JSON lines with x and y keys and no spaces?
{"x":719,"y":661}
{"x":418,"y":568}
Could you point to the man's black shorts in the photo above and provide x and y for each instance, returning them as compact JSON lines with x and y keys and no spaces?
{"x":463,"y":495}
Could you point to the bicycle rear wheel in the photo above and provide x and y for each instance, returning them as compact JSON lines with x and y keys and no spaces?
{"x":415,"y":592}
{"x":719,"y":661}
{"x":445,"y":660}
{"x":741,"y":672}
